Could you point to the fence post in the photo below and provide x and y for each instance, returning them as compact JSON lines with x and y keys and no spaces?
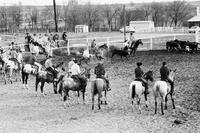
{"x":151,"y":43}
{"x":68,"y":50}
{"x":87,"y":44}
{"x":196,"y":36}
{"x":108,"y":41}
{"x":174,"y":37}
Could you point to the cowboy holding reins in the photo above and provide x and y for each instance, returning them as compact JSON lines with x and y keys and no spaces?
{"x":99,"y":71}
{"x":139,"y":77}
{"x":164,"y":72}
{"x":49,"y":67}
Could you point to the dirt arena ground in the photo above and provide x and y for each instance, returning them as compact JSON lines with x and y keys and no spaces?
{"x":22,"y":112}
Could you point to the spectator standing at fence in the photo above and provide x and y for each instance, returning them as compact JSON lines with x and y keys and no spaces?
{"x":27,"y":41}
{"x":64,"y":37}
{"x":93,"y":46}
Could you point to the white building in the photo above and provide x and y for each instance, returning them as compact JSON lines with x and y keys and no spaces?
{"x":81,"y":28}
{"x":142,"y":26}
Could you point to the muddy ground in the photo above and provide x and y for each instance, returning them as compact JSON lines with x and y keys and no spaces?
{"x":22,"y":112}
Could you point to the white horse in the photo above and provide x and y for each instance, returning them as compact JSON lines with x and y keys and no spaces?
{"x":161,"y":88}
{"x":136,"y":89}
{"x":10,"y":65}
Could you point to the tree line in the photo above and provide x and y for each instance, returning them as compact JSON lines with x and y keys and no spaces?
{"x":97,"y":17}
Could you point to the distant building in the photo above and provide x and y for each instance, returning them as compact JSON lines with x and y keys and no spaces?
{"x":142,"y":26}
{"x":81,"y":28}
{"x":195,"y":21}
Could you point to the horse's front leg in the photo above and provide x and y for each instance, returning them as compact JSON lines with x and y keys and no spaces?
{"x":138,"y":101}
{"x":99,"y":101}
{"x":92,"y":101}
{"x":155,"y":104}
{"x":173,"y":104}
{"x":166,"y":102}
{"x":42,"y":87}
{"x":83,"y":93}
{"x":36,"y":87}
{"x":162,"y":103}
{"x":145,"y":97}
{"x":105,"y":97}
{"x":78,"y":95}
{"x":10,"y":75}
{"x":66,"y":98}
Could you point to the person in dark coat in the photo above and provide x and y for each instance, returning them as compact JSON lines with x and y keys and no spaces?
{"x":164,"y":73}
{"x":28,"y":39}
{"x":99,"y":71}
{"x":139,"y":76}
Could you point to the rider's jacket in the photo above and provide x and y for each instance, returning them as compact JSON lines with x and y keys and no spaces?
{"x":138,"y":73}
{"x":75,"y":69}
{"x":99,"y":71}
{"x":164,"y":73}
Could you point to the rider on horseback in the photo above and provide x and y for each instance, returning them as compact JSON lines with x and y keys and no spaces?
{"x":100,"y":72}
{"x":75,"y":73}
{"x":131,"y":40}
{"x":50,"y":68}
{"x":164,"y":72}
{"x":139,"y":77}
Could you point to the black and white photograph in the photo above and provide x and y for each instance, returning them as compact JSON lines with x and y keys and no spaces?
{"x":99,"y":66}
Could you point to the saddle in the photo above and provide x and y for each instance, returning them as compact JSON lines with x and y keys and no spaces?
{"x":76,"y":78}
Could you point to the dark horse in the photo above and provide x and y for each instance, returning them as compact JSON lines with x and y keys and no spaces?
{"x":46,"y":76}
{"x":135,"y":45}
{"x":67,"y":83}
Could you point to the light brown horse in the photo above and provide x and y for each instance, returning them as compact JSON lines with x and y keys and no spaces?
{"x":99,"y":85}
{"x":67,"y":83}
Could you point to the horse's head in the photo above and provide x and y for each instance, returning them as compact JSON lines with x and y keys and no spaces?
{"x":172,"y":74}
{"x":86,"y":73}
{"x":139,"y":41}
{"x":149,"y":76}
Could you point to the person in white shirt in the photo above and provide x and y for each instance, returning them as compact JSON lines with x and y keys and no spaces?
{"x":70,"y":64}
{"x":131,"y":39}
{"x":75,"y":69}
{"x":76,"y":74}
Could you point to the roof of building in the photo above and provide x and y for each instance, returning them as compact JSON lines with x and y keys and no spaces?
{"x":195,"y":19}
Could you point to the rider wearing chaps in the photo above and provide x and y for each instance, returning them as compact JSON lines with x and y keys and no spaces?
{"x":164,"y":72}
{"x":32,"y":61}
{"x":100,"y":72}
{"x":49,"y":67}
{"x":75,"y":74}
{"x":139,"y":77}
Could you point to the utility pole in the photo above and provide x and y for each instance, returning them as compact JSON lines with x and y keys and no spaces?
{"x":124,"y":14}
{"x":55,"y":17}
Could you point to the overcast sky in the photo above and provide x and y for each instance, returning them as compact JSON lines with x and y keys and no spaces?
{"x":49,"y":2}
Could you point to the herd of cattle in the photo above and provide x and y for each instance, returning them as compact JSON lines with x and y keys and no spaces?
{"x":182,"y":46}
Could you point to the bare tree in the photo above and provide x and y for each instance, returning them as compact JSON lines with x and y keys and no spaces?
{"x":3,"y":18}
{"x":178,"y":12}
{"x":34,"y":17}
{"x":109,"y":13}
{"x":156,"y":12}
{"x":90,"y":15}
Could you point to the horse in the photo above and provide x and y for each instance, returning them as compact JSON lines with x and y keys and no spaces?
{"x":67,"y":83}
{"x":161,"y":88}
{"x":11,"y":66}
{"x":99,"y":85}
{"x":45,"y":76}
{"x":136,"y":89}
{"x":29,"y":69}
{"x":135,"y":45}
{"x":100,"y":51}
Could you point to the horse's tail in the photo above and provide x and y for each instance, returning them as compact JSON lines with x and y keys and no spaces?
{"x":133,"y":91}
{"x":95,"y":91}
